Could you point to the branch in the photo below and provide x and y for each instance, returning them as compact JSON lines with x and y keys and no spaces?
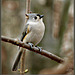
{"x":34,"y":49}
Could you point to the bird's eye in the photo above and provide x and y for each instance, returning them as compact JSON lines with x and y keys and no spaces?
{"x":35,"y":17}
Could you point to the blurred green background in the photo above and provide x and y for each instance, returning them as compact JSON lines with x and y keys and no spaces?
{"x":12,"y":21}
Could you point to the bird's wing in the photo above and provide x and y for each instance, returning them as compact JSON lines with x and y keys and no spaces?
{"x":25,"y":31}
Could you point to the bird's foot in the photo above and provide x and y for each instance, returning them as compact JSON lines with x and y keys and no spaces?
{"x":40,"y":48}
{"x":31,"y":44}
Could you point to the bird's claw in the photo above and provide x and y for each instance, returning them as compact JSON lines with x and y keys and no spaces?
{"x":40,"y":48}
{"x":31,"y":44}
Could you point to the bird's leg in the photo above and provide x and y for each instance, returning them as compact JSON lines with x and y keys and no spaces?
{"x":31,"y":44}
{"x":40,"y":48}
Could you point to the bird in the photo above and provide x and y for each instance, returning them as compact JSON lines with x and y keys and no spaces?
{"x":32,"y":34}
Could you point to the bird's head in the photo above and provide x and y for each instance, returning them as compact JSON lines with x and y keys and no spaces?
{"x":34,"y":17}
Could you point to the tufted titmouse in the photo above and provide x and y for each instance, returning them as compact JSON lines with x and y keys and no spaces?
{"x":33,"y":33}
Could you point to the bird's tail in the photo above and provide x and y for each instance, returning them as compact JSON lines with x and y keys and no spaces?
{"x":14,"y":68}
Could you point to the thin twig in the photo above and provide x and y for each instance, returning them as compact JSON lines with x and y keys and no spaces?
{"x":22,"y":63}
{"x":28,"y":6}
{"x":34,"y":49}
{"x":24,"y":52}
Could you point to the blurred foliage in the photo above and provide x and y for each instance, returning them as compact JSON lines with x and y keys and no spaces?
{"x":13,"y":20}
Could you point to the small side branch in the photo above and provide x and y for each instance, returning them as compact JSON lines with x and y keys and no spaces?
{"x":34,"y":49}
{"x":24,"y":52}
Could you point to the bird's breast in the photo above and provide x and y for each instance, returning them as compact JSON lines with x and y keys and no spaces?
{"x":36,"y":33}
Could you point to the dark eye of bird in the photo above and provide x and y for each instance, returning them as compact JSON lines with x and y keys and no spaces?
{"x":35,"y":17}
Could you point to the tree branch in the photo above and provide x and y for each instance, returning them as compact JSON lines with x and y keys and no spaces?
{"x":34,"y":49}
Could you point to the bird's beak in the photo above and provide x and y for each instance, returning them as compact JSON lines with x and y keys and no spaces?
{"x":41,"y":16}
{"x":27,"y":16}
